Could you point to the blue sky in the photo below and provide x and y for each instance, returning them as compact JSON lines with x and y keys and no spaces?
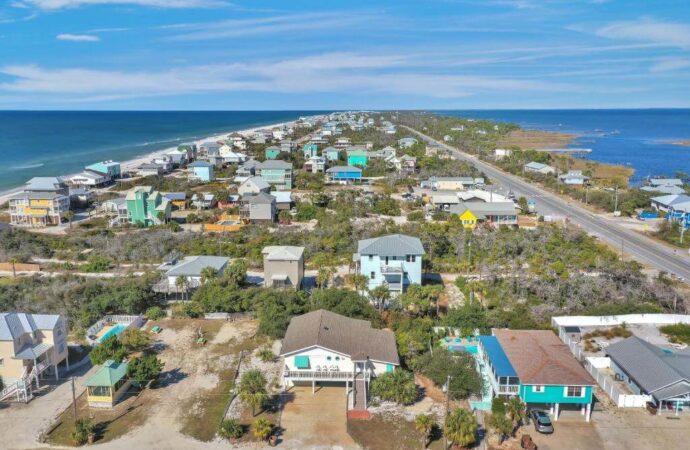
{"x":298,"y":54}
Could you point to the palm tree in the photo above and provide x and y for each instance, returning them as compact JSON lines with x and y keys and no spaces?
{"x":501,"y":425}
{"x":517,"y":412}
{"x":424,"y":423}
{"x":181,"y":283}
{"x":14,"y":262}
{"x":208,"y":273}
{"x":461,"y":427}
{"x":324,"y":275}
{"x":253,"y":389}
{"x":160,"y":215}
{"x":69,"y":215}
{"x":361,"y":282}
{"x":381,"y":294}
{"x":262,"y":428}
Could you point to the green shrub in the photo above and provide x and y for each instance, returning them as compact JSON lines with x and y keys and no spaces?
{"x":110,"y":348}
{"x":678,"y":333}
{"x":266,"y":355}
{"x":82,"y":429}
{"x":192,"y":310}
{"x":416,"y":216}
{"x":144,"y":369}
{"x":155,"y":313}
{"x":231,"y":429}
{"x":397,"y":386}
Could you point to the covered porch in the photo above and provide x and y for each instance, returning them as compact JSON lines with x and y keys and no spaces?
{"x":673,"y":399}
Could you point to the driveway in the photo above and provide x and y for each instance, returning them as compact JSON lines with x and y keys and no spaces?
{"x":636,"y":429}
{"x":571,"y":432}
{"x":316,"y":420}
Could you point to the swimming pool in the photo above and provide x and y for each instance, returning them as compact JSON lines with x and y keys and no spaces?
{"x":463,"y":348}
{"x":114,"y":331}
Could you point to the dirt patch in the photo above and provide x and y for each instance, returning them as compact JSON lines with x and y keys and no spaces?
{"x":390,"y":433}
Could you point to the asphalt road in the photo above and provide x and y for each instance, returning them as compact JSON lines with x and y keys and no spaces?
{"x":643,"y":249}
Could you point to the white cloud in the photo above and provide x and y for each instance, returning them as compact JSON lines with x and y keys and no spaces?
{"x":77,"y":37}
{"x":333,"y":73}
{"x":61,"y":4}
{"x":670,"y":34}
{"x":670,"y":64}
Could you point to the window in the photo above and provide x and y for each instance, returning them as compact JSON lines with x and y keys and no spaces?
{"x":538,"y":389}
{"x":372,"y":275}
{"x":574,"y":391}
{"x":371,"y":257}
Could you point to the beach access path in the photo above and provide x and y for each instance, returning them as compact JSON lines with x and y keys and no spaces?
{"x":641,"y":248}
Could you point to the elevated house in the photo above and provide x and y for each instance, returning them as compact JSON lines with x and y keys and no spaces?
{"x":230,"y":156}
{"x":394,"y":261}
{"x":662,"y":374}
{"x":501,"y":153}
{"x":310,"y":149}
{"x":276,"y":173}
{"x":283,"y":266}
{"x":258,"y":208}
{"x":150,"y":169}
{"x":253,"y":185}
{"x":202,"y":171}
{"x":287,"y":146}
{"x":147,"y":207}
{"x":536,"y":366}
{"x":331,"y":153}
{"x":344,"y":174}
{"x":89,"y":178}
{"x":116,"y":211}
{"x":178,"y":157}
{"x":178,"y":200}
{"x":324,"y":347}
{"x":537,"y":167}
{"x":315,"y":164}
{"x":573,"y":178}
{"x":248,"y":168}
{"x":31,"y":346}
{"x":284,"y":200}
{"x":204,"y":200}
{"x":44,"y":202}
{"x":109,"y":168}
{"x":357,"y":157}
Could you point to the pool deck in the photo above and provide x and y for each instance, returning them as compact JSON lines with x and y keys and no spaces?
{"x":103,"y":331}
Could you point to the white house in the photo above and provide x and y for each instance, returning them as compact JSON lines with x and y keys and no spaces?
{"x":190,"y":267}
{"x":537,"y":167}
{"x":501,"y":153}
{"x":573,"y":178}
{"x":394,"y":261}
{"x":322,"y":346}
{"x":89,"y":178}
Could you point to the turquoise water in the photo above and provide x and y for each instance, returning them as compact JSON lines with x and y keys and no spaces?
{"x":53,"y":143}
{"x":463,"y":348}
{"x":114,"y":331}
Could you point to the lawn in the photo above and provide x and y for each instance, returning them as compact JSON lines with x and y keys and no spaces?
{"x":206,"y":409}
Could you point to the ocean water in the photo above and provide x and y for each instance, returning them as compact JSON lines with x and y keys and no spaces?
{"x":636,"y":138}
{"x":36,"y":143}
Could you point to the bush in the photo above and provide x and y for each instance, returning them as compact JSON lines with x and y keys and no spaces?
{"x":266,"y":355}
{"x":416,"y":216}
{"x":192,"y":310}
{"x":144,"y":369}
{"x":110,"y":348}
{"x":133,"y":339}
{"x":231,"y":429}
{"x":155,"y":313}
{"x":397,"y":386}
{"x":460,"y":366}
{"x":678,"y":333}
{"x":97,"y":263}
{"x":82,"y":429}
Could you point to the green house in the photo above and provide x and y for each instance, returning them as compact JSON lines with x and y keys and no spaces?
{"x":276,"y":172}
{"x":357,"y":158}
{"x":310,"y":150}
{"x":147,"y":207}
{"x":272,"y":152}
{"x":539,"y":368}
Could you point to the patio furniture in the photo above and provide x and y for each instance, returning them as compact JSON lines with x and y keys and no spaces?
{"x":447,"y":339}
{"x":458,"y":340}
{"x":156,"y":329}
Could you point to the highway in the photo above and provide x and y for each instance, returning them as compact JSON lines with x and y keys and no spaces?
{"x":642,"y":248}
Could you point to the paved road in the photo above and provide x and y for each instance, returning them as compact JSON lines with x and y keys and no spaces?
{"x":634,"y":244}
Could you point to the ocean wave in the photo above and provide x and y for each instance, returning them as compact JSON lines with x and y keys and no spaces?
{"x":28,"y":166}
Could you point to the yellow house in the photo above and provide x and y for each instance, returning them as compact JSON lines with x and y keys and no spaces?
{"x":38,"y":209}
{"x":468,"y":219}
{"x":108,"y":385}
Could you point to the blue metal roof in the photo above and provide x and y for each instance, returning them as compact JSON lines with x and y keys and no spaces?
{"x":499,"y":360}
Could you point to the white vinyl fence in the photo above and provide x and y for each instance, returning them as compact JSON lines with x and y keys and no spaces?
{"x":620,"y":398}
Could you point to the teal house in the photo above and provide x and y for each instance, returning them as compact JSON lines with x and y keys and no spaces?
{"x":272,"y":152}
{"x":357,"y":158}
{"x":202,"y":171}
{"x":110,"y":168}
{"x":536,"y":366}
{"x":331,"y":153}
{"x":310,"y":150}
{"x":147,"y":207}
{"x":277,"y":173}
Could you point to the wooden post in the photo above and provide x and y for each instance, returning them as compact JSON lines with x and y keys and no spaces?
{"x":74,"y":403}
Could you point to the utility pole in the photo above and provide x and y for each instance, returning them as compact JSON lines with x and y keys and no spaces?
{"x":447,"y":389}
{"x":74,"y":403}
{"x":615,"y":207}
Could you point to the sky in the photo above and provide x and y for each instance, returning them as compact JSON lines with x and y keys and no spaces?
{"x":355,"y":54}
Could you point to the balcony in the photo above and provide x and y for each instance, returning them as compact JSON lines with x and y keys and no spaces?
{"x":309,"y":375}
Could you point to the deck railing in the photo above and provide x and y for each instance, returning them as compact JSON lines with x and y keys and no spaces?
{"x":317,"y":375}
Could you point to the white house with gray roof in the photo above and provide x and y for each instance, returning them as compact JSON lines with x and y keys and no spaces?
{"x":394,"y":261}
{"x":189,"y":268}
{"x":31,"y":345}
{"x":283,"y":266}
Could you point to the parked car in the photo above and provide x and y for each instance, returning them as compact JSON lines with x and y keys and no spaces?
{"x":542,"y":421}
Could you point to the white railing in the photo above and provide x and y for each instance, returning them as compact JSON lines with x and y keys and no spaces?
{"x":317,"y":375}
{"x":630,"y":319}
{"x":129,"y":320}
{"x":508,"y":389}
{"x":620,"y":398}
{"x":573,"y":346}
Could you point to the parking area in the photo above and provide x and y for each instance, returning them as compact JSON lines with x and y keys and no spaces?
{"x":636,"y":429}
{"x":316,"y":420}
{"x":571,"y":432}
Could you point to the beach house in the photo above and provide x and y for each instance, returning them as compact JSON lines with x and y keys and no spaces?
{"x":449,"y":183}
{"x":178,"y":200}
{"x":38,"y":209}
{"x":31,"y":346}
{"x":331,"y":153}
{"x":344,"y":174}
{"x":357,"y":157}
{"x":201,"y":171}
{"x":536,"y":366}
{"x":52,"y":185}
{"x":116,"y":211}
{"x":573,"y":178}
{"x":325,"y":347}
{"x":394,"y":261}
{"x":204,"y":200}
{"x":190,"y":268}
{"x":315,"y":164}
{"x":501,"y":153}
{"x":258,"y":208}
{"x":491,"y":213}
{"x":310,"y":149}
{"x":253,"y":185}
{"x":89,"y":179}
{"x":247,"y":169}
{"x":147,"y":207}
{"x":277,"y":173}
{"x":283,"y":266}
{"x":150,"y":169}
{"x":537,"y":167}
{"x":110,"y":168}
{"x":407,"y":142}
{"x":108,"y":385}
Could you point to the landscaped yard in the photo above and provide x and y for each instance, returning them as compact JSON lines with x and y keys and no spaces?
{"x":390,"y":433}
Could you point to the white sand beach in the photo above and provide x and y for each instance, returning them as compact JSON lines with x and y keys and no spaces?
{"x":132,"y":164}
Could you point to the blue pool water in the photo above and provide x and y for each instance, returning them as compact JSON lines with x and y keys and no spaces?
{"x":463,"y":348}
{"x":114,"y":331}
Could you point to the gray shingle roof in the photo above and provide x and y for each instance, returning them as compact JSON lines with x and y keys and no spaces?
{"x":260,"y":198}
{"x":352,"y":337}
{"x":44,"y":184}
{"x":283,"y":252}
{"x":274,"y":164}
{"x":191,"y":266}
{"x":391,"y":245}
{"x":201,"y":164}
{"x":650,"y":366}
{"x":335,"y":169}
{"x":486,"y":209}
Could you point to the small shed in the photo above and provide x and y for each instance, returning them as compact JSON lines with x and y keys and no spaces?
{"x":107,"y":386}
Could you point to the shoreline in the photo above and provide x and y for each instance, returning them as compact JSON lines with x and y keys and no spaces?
{"x":681,"y":143}
{"x":133,"y":163}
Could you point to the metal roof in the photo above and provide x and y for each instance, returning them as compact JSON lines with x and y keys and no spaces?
{"x":274,"y":164}
{"x":13,"y":325}
{"x":499,"y":360}
{"x":650,"y":366}
{"x":33,"y":352}
{"x":192,"y":266}
{"x":44,"y":184}
{"x":109,"y":374}
{"x":344,"y":169}
{"x":391,"y":245}
{"x":260,"y":198}
{"x":201,"y":164}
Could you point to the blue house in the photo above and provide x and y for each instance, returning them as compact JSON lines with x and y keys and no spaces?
{"x":110,"y":168}
{"x":538,"y":367}
{"x":394,"y":261}
{"x":347,"y":174}
{"x":310,"y":150}
{"x":331,"y":153}
{"x":202,"y":171}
